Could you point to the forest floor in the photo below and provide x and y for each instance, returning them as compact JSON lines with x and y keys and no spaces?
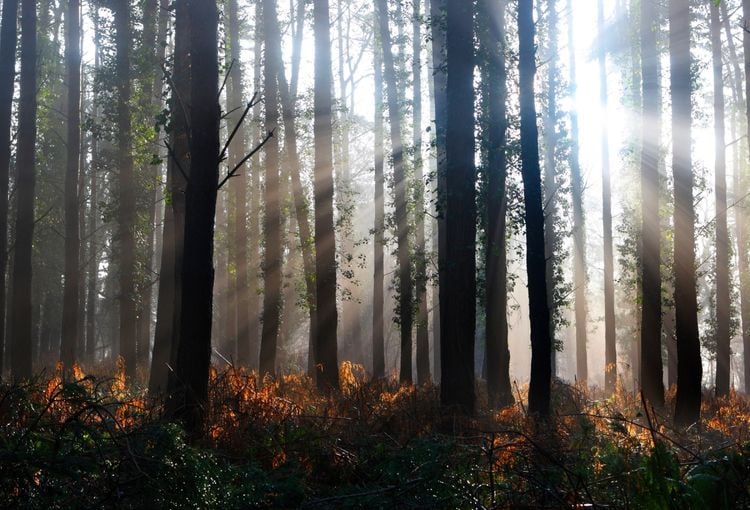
{"x":97,"y":443}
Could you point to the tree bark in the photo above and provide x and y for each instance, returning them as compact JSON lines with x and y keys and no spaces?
{"x":8,"y":34}
{"x":326,"y":361}
{"x":272,"y":258}
{"x":401,"y":218}
{"x":539,"y":311}
{"x":21,"y":353}
{"x":610,"y":340}
{"x":689,"y":370}
{"x":722,"y":233}
{"x":457,"y":275}
{"x":651,"y":363}
{"x":378,"y":345}
{"x":189,"y":386}
{"x":745,"y":274}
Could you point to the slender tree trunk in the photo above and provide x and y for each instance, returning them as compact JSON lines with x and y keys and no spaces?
{"x":169,"y":303}
{"x":539,"y":312}
{"x":423,"y":340}
{"x":7,"y":78}
{"x":21,"y":353}
{"x":71,"y":290}
{"x":126,"y":213}
{"x":492,"y":40}
{"x":238,"y":234}
{"x":255,"y":199}
{"x":551,"y":239}
{"x":326,"y":362}
{"x":689,"y":370}
{"x":610,"y":340}
{"x":378,"y":344}
{"x":722,"y":234}
{"x":272,"y":258}
{"x":437,"y":19}
{"x":189,"y":386}
{"x":742,"y":241}
{"x":651,"y":363}
{"x":399,"y":178}
{"x":457,"y":275}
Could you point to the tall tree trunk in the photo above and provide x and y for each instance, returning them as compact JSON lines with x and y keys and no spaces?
{"x":272,"y":258}
{"x":189,"y":386}
{"x":551,"y":238}
{"x":71,"y":291}
{"x":539,"y":312}
{"x":378,"y":345}
{"x":722,"y":234}
{"x":651,"y":363}
{"x":169,"y":302}
{"x":689,"y":370}
{"x":744,"y":265}
{"x":610,"y":340}
{"x":326,"y":361}
{"x":255,"y":200}
{"x":126,"y":212}
{"x":457,"y":275}
{"x":7,"y":78}
{"x":238,"y":234}
{"x":401,"y":218}
{"x":492,"y":40}
{"x":292,"y":162}
{"x":440,"y":100}
{"x":21,"y":353}
{"x":423,"y":340}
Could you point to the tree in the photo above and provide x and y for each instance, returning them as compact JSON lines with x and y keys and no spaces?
{"x":21,"y":352}
{"x":539,"y":312}
{"x":272,"y":257}
{"x":71,"y":289}
{"x":722,"y":233}
{"x":326,"y":362}
{"x":378,"y":353}
{"x":745,"y":284}
{"x":403,"y":254}
{"x":689,"y":370}
{"x":8,"y":29}
{"x":169,"y":303}
{"x":189,"y":382}
{"x":126,"y":206}
{"x":492,"y":40}
{"x":651,"y":363}
{"x":458,"y":268}
{"x":423,"y":340}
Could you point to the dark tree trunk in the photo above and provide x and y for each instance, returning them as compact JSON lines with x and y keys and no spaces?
{"x":550,"y":189}
{"x":189,"y":385}
{"x":457,"y":274}
{"x":610,"y":341}
{"x":742,"y":240}
{"x":378,"y":345}
{"x":169,"y":302}
{"x":689,"y":370}
{"x":326,"y":361}
{"x":7,"y":78}
{"x":272,"y":257}
{"x":440,"y":100}
{"x":651,"y":363}
{"x":722,"y":234}
{"x":492,"y":39}
{"x":292,"y":161}
{"x":71,"y":290}
{"x":126,"y":213}
{"x":539,"y":312}
{"x":21,"y":353}
{"x":423,"y":339}
{"x":401,"y":218}
{"x":238,"y":185}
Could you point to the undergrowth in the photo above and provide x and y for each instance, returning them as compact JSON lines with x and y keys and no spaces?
{"x":98,"y":443}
